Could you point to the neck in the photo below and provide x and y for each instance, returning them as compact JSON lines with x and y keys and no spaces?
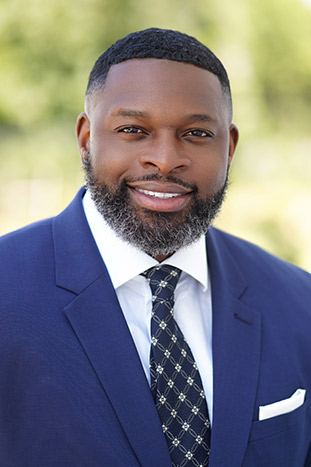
{"x":161,"y":258}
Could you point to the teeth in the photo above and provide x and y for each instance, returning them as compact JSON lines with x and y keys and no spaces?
{"x":156,"y":194}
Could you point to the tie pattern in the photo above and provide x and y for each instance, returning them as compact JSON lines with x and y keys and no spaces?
{"x":175,"y":381}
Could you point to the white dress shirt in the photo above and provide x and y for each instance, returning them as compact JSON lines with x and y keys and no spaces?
{"x":192,"y":309}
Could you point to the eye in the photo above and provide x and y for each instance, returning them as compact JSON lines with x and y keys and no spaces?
{"x":130,"y":130}
{"x":198,"y":133}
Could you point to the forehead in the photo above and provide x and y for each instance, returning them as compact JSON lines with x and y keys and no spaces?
{"x":160,"y":85}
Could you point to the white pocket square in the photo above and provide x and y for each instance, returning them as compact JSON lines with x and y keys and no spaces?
{"x":282,"y":407}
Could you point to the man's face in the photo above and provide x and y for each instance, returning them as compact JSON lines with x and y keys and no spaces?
{"x":159,"y":133}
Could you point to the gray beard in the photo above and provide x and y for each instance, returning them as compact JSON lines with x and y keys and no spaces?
{"x":155,"y":233}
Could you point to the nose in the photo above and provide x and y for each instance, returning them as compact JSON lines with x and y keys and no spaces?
{"x":167,"y":154}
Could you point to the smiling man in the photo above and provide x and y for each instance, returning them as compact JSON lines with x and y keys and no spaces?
{"x":134,"y":333}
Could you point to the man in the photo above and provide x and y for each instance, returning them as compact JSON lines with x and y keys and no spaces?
{"x":130,"y":336}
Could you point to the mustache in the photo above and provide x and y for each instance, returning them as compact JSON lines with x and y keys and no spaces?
{"x":155,"y":177}
{"x":159,"y":178}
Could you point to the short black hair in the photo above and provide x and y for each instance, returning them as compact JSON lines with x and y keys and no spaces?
{"x":162,"y":44}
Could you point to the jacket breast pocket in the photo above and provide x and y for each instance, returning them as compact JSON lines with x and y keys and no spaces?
{"x":271,"y":426}
{"x":281,"y":441}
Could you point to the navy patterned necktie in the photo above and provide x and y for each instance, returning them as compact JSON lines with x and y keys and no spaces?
{"x":175,"y":380}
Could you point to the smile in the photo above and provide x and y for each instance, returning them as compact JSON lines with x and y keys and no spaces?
{"x":173,"y":199}
{"x":157,"y":194}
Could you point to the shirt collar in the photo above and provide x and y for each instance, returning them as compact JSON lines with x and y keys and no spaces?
{"x":125,"y":261}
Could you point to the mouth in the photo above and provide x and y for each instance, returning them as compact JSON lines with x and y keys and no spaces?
{"x":156,"y":196}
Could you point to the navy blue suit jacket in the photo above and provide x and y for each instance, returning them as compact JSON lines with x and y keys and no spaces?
{"x":72,"y":389}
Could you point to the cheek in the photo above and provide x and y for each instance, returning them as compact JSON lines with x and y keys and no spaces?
{"x":106,"y":163}
{"x":211,"y":174}
{"x":112,"y":159}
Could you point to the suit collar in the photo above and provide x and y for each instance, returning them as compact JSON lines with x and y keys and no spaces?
{"x":225,"y":267}
{"x":77,"y":262}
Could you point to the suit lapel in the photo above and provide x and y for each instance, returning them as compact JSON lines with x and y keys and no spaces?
{"x":236,"y":356}
{"x":99,"y":324}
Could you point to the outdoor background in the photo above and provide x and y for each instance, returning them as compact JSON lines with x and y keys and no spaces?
{"x":47,"y":49}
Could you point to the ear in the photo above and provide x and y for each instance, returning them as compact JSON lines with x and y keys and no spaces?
{"x":83,"y":134}
{"x":233,"y":141}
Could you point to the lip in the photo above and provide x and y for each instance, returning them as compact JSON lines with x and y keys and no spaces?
{"x":163,"y":197}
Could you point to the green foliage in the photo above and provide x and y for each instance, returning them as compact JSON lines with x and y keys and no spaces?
{"x":281,"y":54}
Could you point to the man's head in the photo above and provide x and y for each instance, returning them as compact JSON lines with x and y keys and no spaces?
{"x":162,"y":44}
{"x":156,"y":139}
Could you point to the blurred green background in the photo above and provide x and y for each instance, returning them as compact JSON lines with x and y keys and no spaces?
{"x":48,"y":48}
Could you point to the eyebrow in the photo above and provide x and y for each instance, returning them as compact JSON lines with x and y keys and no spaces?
{"x":129,"y":113}
{"x":201,"y":118}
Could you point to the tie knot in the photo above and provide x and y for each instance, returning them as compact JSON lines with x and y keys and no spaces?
{"x":162,"y":280}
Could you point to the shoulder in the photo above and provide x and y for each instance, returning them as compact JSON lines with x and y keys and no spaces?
{"x":36,"y":240}
{"x":256,"y":264}
{"x":26,"y":251}
{"x":26,"y":237}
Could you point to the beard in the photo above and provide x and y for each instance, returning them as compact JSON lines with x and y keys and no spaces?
{"x":155,"y":233}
